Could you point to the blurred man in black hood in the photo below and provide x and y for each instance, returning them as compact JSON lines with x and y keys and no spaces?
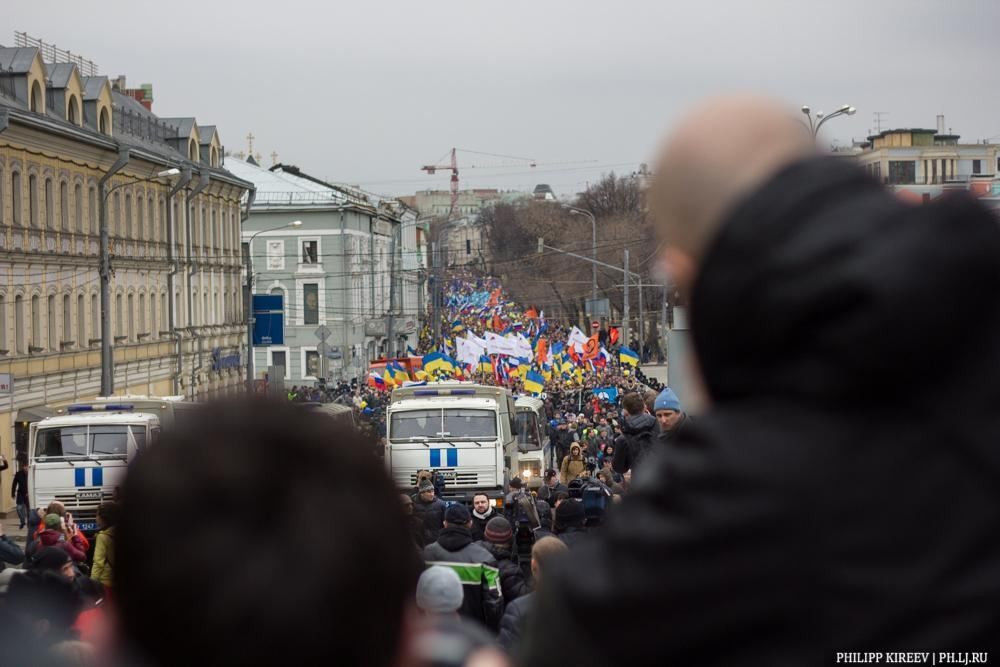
{"x":833,"y":497}
{"x":639,"y":434}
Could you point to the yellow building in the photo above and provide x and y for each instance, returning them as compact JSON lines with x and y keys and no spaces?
{"x":175,"y":289}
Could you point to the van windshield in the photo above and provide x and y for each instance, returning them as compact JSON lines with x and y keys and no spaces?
{"x":443,"y":424}
{"x":99,"y":441}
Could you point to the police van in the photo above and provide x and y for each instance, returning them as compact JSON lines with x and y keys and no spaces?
{"x":529,"y":457}
{"x":80,"y":457}
{"x":462,"y":430}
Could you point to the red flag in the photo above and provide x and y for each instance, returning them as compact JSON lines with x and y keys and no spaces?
{"x":613,"y":335}
{"x":542,"y":351}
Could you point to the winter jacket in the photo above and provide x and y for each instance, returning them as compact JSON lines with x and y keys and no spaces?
{"x":19,"y":488}
{"x":549,"y":493}
{"x":512,"y":582}
{"x":9,"y":552}
{"x":479,"y":525}
{"x":573,"y":536}
{"x":572,"y":465}
{"x":808,"y":505}
{"x":639,"y":434}
{"x":104,"y":566}
{"x":432,"y":514}
{"x":478,"y":570}
{"x":515,"y":620}
{"x":50,"y":537}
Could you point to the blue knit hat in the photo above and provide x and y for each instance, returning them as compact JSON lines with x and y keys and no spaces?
{"x":667,"y":400}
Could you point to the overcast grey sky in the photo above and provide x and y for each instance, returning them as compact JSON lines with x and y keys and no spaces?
{"x":367,"y":92}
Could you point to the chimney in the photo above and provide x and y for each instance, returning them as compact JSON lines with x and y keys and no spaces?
{"x":940,"y":123}
{"x":118,"y":83}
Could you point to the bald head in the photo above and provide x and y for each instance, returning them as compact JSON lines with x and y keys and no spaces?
{"x":719,"y":153}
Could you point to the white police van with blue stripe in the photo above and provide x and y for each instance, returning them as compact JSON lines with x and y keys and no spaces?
{"x":80,"y":457}
{"x":462,"y":430}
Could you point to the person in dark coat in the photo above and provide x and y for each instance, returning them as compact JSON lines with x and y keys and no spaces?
{"x":545,"y":520}
{"x":552,"y":487}
{"x":571,"y":522}
{"x":475,"y":566}
{"x":639,"y":432}
{"x":482,"y":512}
{"x":430,"y":509}
{"x":418,"y":532}
{"x":669,"y":415}
{"x":499,"y":541}
{"x":833,"y":496}
{"x":519,"y":612}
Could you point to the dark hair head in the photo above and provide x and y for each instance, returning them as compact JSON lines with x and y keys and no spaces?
{"x":228,"y":593}
{"x":633,"y":403}
{"x":110,"y":512}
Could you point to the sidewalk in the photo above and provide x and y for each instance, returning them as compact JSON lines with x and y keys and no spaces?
{"x":11,"y":530}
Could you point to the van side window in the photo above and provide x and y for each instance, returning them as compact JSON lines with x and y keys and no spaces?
{"x":61,"y":442}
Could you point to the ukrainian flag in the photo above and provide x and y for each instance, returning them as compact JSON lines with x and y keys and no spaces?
{"x":389,"y":382}
{"x":534,"y":382}
{"x":399,"y":374}
{"x":436,"y":362}
{"x":627,"y":356}
{"x":485,"y":364}
{"x":457,"y":326}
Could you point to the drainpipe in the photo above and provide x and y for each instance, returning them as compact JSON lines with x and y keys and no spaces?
{"x":346,"y":284}
{"x":192,"y":270}
{"x":248,"y":304}
{"x":171,"y":273}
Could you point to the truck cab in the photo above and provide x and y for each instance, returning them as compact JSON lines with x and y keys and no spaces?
{"x":462,"y":430}
{"x":528,"y":454}
{"x":81,"y":457}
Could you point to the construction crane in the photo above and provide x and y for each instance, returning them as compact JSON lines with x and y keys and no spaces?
{"x":510,"y":161}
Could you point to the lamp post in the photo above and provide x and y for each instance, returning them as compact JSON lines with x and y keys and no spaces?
{"x":249,"y":313}
{"x":107,"y":356}
{"x":821,"y":118}
{"x":593,"y":245}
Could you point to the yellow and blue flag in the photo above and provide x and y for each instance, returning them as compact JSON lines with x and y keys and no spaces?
{"x":485,"y":364}
{"x":627,"y":356}
{"x":534,"y":382}
{"x":399,"y":374}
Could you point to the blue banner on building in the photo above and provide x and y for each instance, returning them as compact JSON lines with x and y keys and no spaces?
{"x":269,"y":319}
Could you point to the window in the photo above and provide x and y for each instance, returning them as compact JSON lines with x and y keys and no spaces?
{"x":92,"y":211}
{"x":977,"y":166}
{"x":19,"y":334}
{"x":129,"y":231}
{"x":64,"y":206}
{"x":36,"y":322}
{"x":311,"y":363}
{"x":310,"y":252}
{"x":164,"y":318}
{"x":280,"y":360}
{"x":310,"y":303}
{"x":204,"y":308}
{"x":50,"y":213}
{"x":142,"y":314}
{"x":131,"y":317}
{"x":3,"y":324}
{"x":73,"y":112}
{"x":116,"y":228}
{"x":33,"y":201}
{"x":468,"y":247}
{"x":95,"y":319}
{"x":140,"y":220}
{"x":215,"y":235}
{"x":110,"y":441}
{"x":37,"y":101}
{"x":61,"y":442}
{"x":902,"y":172}
{"x":78,"y":208}
{"x":53,"y":335}
{"x":67,"y":321}
{"x":119,"y":316}
{"x":104,"y":126}
{"x":151,"y":233}
{"x":81,"y":323}
{"x":15,"y":196}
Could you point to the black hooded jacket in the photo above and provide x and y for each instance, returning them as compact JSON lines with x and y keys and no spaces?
{"x":843,"y":492}
{"x":639,"y":435}
{"x":476,"y":568}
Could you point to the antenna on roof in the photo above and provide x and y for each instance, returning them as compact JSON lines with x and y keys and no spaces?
{"x":52,"y":54}
{"x":879,"y":115}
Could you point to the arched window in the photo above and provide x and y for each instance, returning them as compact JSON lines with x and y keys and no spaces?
{"x":116,"y":229}
{"x":3,"y":324}
{"x":73,"y":110}
{"x":129,"y":230}
{"x":131,"y":318}
{"x":104,"y":126}
{"x":15,"y":197}
{"x":81,"y":324}
{"x":119,"y":316}
{"x":151,"y":211}
{"x":37,"y":101}
{"x":64,"y":205}
{"x":95,"y":319}
{"x":214,"y":157}
{"x":67,"y":321}
{"x":53,"y":333}
{"x":153,"y":330}
{"x":50,"y":213}
{"x":142,"y":314}
{"x":92,"y":211}
{"x":36,"y":322}
{"x":192,"y":150}
{"x":20,"y":336}
{"x":33,"y":201}
{"x":78,"y":208}
{"x":164,"y":316}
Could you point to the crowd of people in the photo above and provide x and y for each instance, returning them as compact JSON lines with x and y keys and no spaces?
{"x":830,"y":500}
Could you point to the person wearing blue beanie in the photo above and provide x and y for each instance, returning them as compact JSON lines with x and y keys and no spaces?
{"x":667,"y":409}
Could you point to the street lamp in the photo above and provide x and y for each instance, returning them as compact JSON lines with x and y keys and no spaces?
{"x":821,"y":118}
{"x":107,"y":356}
{"x":249,"y":313}
{"x":593,"y":244}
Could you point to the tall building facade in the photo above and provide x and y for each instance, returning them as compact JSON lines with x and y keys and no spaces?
{"x":68,"y":143}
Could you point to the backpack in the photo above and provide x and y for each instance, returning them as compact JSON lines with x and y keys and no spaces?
{"x":594,"y":496}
